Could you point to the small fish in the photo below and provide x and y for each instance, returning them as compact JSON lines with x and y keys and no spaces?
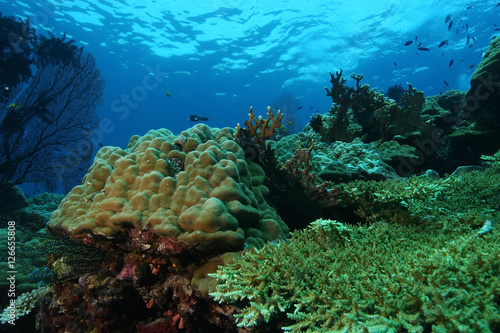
{"x":300,"y":107}
{"x":311,"y":108}
{"x":472,"y":66}
{"x":457,"y":32}
{"x":443,"y":43}
{"x":466,"y":26}
{"x":195,"y":118}
{"x":290,"y":123}
{"x":447,"y":19}
{"x":451,"y":63}
{"x":497,"y":29}
{"x":416,"y":37}
{"x":450,"y":25}
{"x":395,"y":64}
{"x":423,"y":49}
{"x":473,"y":39}
{"x":167,"y":93}
{"x":468,"y":40}
{"x":419,"y":44}
{"x":446,"y":83}
{"x":468,"y":7}
{"x":14,"y":106}
{"x":408,"y":42}
{"x":498,"y":4}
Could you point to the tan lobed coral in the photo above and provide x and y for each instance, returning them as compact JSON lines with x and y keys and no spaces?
{"x":196,"y":188}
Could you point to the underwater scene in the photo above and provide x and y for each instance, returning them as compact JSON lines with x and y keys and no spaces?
{"x":249,"y":166}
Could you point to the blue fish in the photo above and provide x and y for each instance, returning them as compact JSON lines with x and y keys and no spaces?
{"x":443,"y":43}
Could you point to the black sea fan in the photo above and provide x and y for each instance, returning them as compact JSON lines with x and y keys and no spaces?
{"x":53,"y":51}
{"x":395,"y":92}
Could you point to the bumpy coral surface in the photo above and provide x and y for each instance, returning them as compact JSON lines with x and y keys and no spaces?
{"x":196,"y":188}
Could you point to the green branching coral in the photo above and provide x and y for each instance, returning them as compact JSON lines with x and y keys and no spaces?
{"x":467,"y":197}
{"x":383,"y":278}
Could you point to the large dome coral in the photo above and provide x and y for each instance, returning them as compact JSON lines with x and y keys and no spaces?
{"x":196,"y":188}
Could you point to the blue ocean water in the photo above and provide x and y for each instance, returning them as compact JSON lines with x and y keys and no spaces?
{"x":216,"y":58}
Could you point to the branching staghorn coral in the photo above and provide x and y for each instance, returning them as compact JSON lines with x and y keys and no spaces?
{"x":260,"y":128}
{"x":383,"y":278}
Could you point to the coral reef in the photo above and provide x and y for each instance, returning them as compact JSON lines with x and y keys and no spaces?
{"x":445,"y":131}
{"x":298,"y":168}
{"x":483,"y":97}
{"x":363,"y":112}
{"x":344,"y":161}
{"x":167,"y":211}
{"x":383,"y":278}
{"x":23,"y":305}
{"x":196,"y":188}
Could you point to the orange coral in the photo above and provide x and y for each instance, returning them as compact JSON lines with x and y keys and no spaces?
{"x":260,"y":128}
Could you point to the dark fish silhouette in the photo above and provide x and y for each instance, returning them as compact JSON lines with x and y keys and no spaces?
{"x":419,"y":44}
{"x":468,"y":40}
{"x":416,"y":37}
{"x":194,"y":117}
{"x":423,"y":49}
{"x":395,"y":64}
{"x":466,"y":26}
{"x":498,"y":4}
{"x":446,"y":84}
{"x":450,"y":25}
{"x":468,"y":7}
{"x":409,"y":42}
{"x":471,"y":66}
{"x":447,"y":19}
{"x":443,"y":43}
{"x":451,"y":63}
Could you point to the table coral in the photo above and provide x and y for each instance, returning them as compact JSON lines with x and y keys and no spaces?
{"x":194,"y":188}
{"x":381,"y":278}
